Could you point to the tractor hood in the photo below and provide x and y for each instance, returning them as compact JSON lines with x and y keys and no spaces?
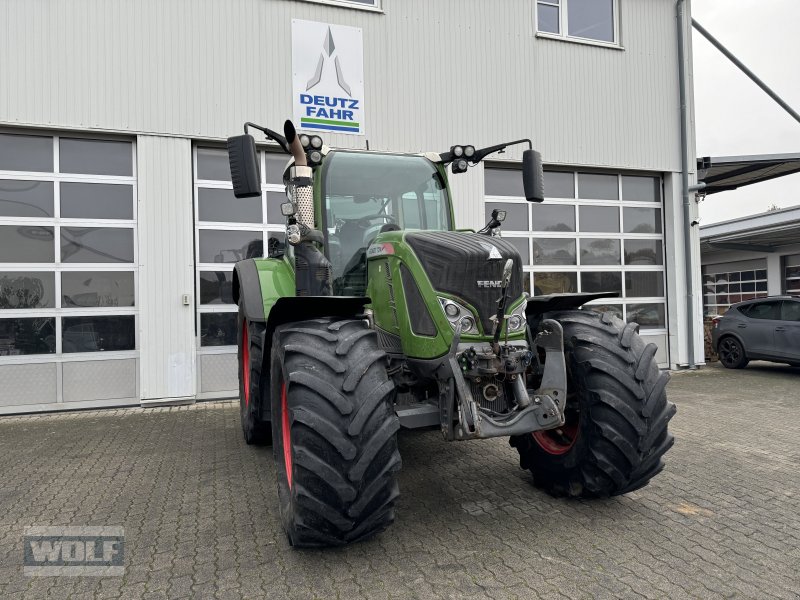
{"x":468,"y":266}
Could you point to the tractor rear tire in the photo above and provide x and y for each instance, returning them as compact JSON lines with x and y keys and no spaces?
{"x":334,"y":430}
{"x":617,"y":413}
{"x":253,"y":385}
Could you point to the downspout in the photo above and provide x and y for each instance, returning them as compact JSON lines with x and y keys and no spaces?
{"x":687,"y":215}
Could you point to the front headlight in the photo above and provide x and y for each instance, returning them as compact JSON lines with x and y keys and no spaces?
{"x":516,"y":320}
{"x":458,"y":314}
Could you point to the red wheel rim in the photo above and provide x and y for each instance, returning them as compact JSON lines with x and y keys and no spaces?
{"x":246,"y":364}
{"x":287,"y":439}
{"x":560,"y":440}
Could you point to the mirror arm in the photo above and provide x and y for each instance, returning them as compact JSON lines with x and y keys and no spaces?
{"x":270,"y":135}
{"x":484,"y":152}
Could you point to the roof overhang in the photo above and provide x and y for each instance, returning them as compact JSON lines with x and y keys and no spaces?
{"x":759,"y":233}
{"x":720,"y":174}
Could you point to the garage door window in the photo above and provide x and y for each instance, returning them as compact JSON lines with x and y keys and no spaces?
{"x":595,"y":232}
{"x":230,"y":229}
{"x":67,"y":246}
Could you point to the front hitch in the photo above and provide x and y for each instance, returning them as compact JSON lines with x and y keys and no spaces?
{"x":538,"y":409}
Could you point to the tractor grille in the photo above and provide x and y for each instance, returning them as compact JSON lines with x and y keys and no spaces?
{"x":455,"y":262}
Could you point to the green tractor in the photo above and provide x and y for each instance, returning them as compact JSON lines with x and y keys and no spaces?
{"x":379,"y":315}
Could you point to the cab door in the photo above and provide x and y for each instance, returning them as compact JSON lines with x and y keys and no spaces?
{"x":787,"y":331}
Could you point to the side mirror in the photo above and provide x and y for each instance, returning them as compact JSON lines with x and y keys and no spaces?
{"x":533,"y":176}
{"x":243,"y":159}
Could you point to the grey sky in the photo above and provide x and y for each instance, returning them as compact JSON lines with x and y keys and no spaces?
{"x":734,"y":116}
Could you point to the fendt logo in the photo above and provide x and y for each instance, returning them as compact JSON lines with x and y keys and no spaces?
{"x":490,"y":284}
{"x":74,"y":551}
{"x":328,"y":84}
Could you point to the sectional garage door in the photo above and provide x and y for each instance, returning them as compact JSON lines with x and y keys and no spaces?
{"x":68,"y":272}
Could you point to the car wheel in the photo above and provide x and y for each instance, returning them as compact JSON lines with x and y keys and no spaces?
{"x":731,"y":353}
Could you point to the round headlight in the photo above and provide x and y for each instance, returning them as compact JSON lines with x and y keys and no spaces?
{"x":458,"y":151}
{"x":315,"y":156}
{"x":514,"y":322}
{"x":467,"y":323}
{"x":469,"y":151}
{"x":461,"y":165}
{"x":305,"y":141}
{"x":451,"y":310}
{"x":316,"y":142}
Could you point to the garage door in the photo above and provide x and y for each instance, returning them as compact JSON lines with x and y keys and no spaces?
{"x":595,"y":232}
{"x":67,"y":272}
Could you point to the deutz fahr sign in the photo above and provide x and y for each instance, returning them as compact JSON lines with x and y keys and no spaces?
{"x":328,"y":77}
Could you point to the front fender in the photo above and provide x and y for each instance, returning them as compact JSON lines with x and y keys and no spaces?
{"x":258,"y":283}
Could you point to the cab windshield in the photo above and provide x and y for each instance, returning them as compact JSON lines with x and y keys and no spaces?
{"x":366,"y":193}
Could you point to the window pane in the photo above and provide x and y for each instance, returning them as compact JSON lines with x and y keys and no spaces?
{"x":96,"y":157}
{"x":553,"y":217}
{"x":229,"y":246}
{"x":554,"y":283}
{"x":276,"y":245}
{"x":223,"y":206}
{"x":521,"y":244}
{"x":27,"y":336}
{"x":516,"y":215}
{"x":643,"y":252}
{"x":218,"y":329}
{"x":216,"y":287}
{"x":600,"y":251}
{"x":642,"y":220}
{"x":97,"y":288}
{"x":599,"y":218}
{"x":503,"y":182}
{"x":95,"y":334}
{"x":27,"y":290}
{"x":559,"y":185}
{"x":26,"y":153}
{"x":641,"y":189}
{"x":274,"y":201}
{"x":276,"y":165}
{"x":213,"y":164}
{"x":97,"y":245}
{"x":548,"y":18}
{"x":614,"y":309}
{"x":592,"y":19}
{"x":648,"y":316}
{"x":604,"y":281}
{"x":26,"y":244}
{"x":790,"y":311}
{"x":96,"y":201}
{"x":598,"y":187}
{"x":554,"y":252}
{"x":644,"y":284}
{"x":26,"y":198}
{"x":765,"y":310}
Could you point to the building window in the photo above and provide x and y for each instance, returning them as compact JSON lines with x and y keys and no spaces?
{"x":724,"y":287}
{"x":230,"y":229}
{"x":594,"y":20}
{"x":791,"y":275}
{"x":67,"y":245}
{"x":596,"y":232}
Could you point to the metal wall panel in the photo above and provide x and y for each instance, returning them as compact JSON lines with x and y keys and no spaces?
{"x":436,"y":73}
{"x":100,"y":380}
{"x":166,"y":270}
{"x":218,"y":374}
{"x":27,"y":384}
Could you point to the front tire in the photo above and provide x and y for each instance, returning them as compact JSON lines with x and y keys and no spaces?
{"x":617,"y":413}
{"x":334,"y":431}
{"x":731,"y":353}
{"x":253,"y":387}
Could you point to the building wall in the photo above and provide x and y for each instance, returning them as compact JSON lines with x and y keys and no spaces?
{"x":168,"y":75}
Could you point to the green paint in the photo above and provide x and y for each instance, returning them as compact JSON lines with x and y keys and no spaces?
{"x":329,"y":122}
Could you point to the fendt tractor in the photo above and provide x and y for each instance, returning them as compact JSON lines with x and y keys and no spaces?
{"x":378,"y":314}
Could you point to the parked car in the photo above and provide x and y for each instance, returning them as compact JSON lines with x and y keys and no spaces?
{"x":765,"y":329}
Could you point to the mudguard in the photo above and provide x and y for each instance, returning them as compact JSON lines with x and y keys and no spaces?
{"x":538,"y":305}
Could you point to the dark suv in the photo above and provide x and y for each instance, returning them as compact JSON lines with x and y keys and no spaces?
{"x":766,"y":329}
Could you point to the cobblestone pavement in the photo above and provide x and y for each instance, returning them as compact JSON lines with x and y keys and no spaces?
{"x":200,"y":514}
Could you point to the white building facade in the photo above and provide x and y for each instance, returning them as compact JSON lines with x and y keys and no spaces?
{"x":118,"y":229}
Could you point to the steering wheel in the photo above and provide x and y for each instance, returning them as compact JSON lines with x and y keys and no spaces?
{"x":364,"y":221}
